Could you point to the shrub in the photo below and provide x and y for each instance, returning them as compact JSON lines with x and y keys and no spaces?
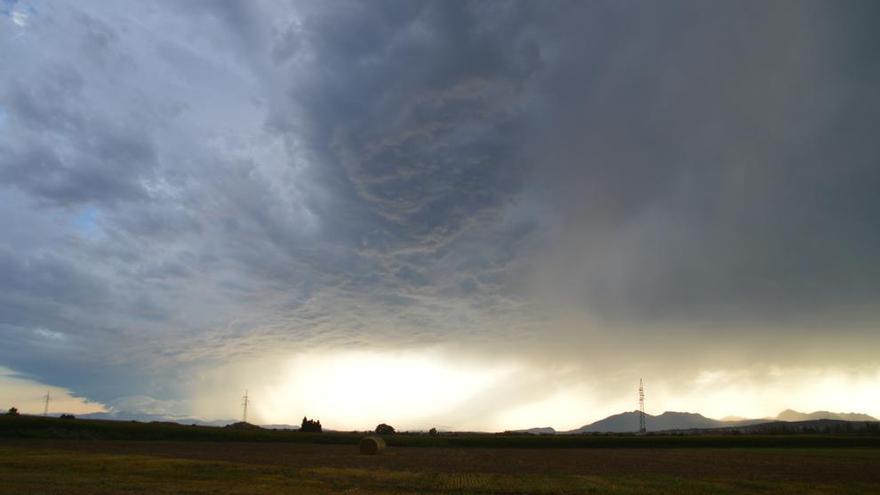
{"x":432,"y":431}
{"x":68,"y":416}
{"x":13,"y":411}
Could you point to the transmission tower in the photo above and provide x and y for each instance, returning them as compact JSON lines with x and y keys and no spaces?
{"x":244,"y":404}
{"x":642,"y":428}
{"x":46,"y":406}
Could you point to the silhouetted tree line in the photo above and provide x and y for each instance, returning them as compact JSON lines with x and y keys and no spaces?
{"x":310,"y":425}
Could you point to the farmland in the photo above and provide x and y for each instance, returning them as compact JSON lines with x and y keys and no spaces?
{"x":95,"y":467}
{"x":72,"y":458}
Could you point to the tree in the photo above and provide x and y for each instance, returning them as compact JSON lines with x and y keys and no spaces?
{"x":384,"y":429}
{"x":310,"y":425}
{"x":68,"y":416}
{"x":432,"y":431}
{"x":13,"y":411}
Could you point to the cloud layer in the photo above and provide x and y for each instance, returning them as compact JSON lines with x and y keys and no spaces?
{"x":571,"y":187}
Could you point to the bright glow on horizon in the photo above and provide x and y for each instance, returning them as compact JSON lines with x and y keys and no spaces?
{"x":566,"y":409}
{"x":718,"y":393}
{"x":355,"y":390}
{"x":361,"y":389}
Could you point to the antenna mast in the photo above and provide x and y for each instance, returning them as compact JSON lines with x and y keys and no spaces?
{"x":642,"y":428}
{"x":46,"y":407}
{"x":244,"y":404}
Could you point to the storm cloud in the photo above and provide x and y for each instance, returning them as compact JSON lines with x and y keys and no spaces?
{"x":569,"y":187}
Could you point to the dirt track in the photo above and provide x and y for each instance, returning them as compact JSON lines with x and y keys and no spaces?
{"x":826,"y":465}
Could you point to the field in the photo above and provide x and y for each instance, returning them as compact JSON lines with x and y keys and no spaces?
{"x":38,"y":459}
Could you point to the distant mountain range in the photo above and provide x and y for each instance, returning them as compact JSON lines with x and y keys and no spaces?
{"x":146,"y":418}
{"x":790,"y":415}
{"x":545,"y":430}
{"x":629,"y":421}
{"x":161,"y":418}
{"x":617,"y":423}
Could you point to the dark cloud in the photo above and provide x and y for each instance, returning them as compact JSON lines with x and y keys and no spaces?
{"x":214,"y":180}
{"x":713,"y":178}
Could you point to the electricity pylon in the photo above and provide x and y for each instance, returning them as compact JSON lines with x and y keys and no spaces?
{"x":642,"y":428}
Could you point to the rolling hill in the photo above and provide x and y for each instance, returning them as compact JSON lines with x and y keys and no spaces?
{"x":629,"y":421}
{"x":669,"y":420}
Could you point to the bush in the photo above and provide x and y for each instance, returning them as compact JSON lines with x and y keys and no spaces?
{"x":68,"y":416}
{"x":13,"y":411}
{"x":432,"y":431}
{"x":384,"y":429}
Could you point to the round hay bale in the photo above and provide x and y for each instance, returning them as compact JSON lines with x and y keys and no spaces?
{"x":372,"y":445}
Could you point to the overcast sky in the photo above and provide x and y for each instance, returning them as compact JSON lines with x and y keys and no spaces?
{"x":467,"y":214}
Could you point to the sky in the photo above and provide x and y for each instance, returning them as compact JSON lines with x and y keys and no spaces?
{"x":468,"y":215}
